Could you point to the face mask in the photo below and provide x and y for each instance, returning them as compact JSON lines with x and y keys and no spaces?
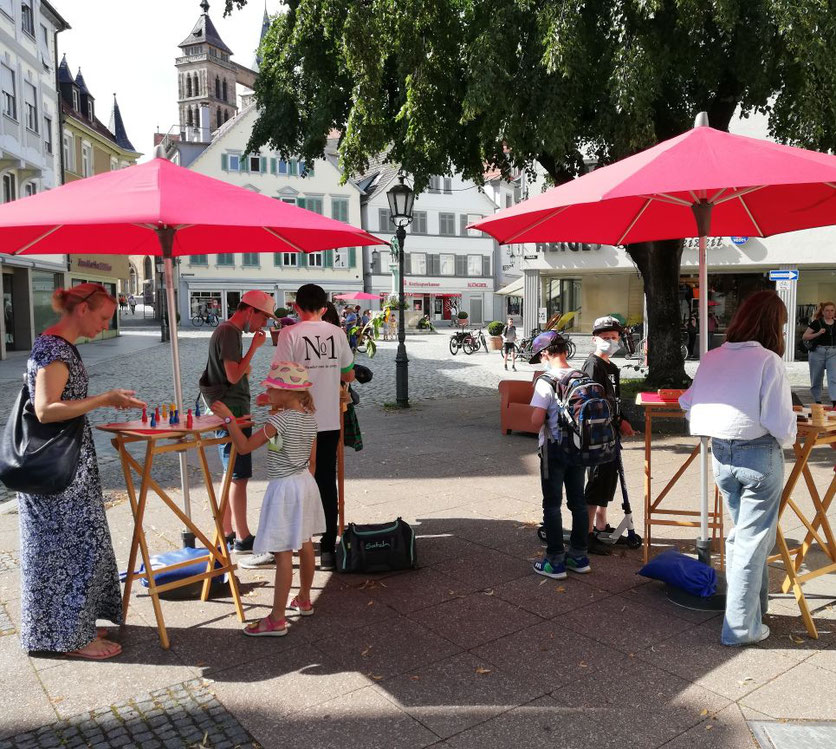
{"x":605,"y":346}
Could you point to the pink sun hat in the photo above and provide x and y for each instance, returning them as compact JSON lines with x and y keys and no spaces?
{"x":288,"y":375}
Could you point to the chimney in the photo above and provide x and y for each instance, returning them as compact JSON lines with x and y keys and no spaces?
{"x":205,"y":132}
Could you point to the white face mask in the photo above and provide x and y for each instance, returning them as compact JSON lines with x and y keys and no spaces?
{"x":605,"y":346}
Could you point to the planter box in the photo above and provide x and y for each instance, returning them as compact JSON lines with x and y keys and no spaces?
{"x":495,"y":342}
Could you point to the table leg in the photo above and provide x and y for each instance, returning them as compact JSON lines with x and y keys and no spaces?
{"x":648,"y":428}
{"x":120,"y":446}
{"x":802,"y":455}
{"x":793,"y":583}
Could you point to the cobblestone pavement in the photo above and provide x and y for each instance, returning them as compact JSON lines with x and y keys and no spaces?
{"x":184,"y":715}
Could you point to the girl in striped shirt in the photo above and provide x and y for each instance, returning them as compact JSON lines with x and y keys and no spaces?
{"x":291,"y":512}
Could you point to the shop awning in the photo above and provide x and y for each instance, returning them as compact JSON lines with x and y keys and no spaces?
{"x":515,"y":288}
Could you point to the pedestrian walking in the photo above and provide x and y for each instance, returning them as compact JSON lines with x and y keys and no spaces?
{"x":132,"y":303}
{"x":821,"y":340}
{"x":226,"y":379}
{"x":509,"y":346}
{"x":740,"y":397}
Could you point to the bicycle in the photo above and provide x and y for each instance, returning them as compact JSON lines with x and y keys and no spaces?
{"x":211,"y":318}
{"x":477,"y":342}
{"x":524,"y":347}
{"x":457,"y":342}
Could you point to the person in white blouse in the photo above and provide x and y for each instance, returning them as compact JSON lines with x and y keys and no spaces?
{"x":741,"y":398}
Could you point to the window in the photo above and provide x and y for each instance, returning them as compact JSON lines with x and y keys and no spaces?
{"x":27,"y":20}
{"x":384,"y":220}
{"x":509,"y":201}
{"x":419,"y":222}
{"x":90,"y":112}
{"x":69,"y":152}
{"x":250,"y":260}
{"x":306,"y":169}
{"x":9,"y":95}
{"x":447,"y":224}
{"x":75,"y":100}
{"x":315,"y":259}
{"x":474,"y":265}
{"x":310,"y":204}
{"x":48,"y":134}
{"x":463,"y":225}
{"x":255,"y":164}
{"x":199,"y":260}
{"x":473,"y":218}
{"x":447,"y":265}
{"x":448,"y":186}
{"x":114,"y":164}
{"x":226,"y":115}
{"x":188,"y":87}
{"x":339,"y":209}
{"x":418,"y":264}
{"x":228,"y":258}
{"x":195,"y":85}
{"x":30,"y":105}
{"x":486,"y":266}
{"x":234,"y":162}
{"x":282,"y":166}
{"x":217,"y":87}
{"x":435,"y":184}
{"x":86,"y":160}
{"x":189,"y":117}
{"x":288,"y":259}
{"x":9,"y":188}
{"x":218,"y":122}
{"x":224,"y":90}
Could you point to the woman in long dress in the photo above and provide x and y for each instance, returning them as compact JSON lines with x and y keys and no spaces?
{"x":68,"y":569}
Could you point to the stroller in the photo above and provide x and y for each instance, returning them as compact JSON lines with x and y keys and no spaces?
{"x":612,"y":535}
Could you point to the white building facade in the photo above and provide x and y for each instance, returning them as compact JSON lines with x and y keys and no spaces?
{"x":219,"y":281}
{"x":30,"y":159}
{"x":445,"y":263}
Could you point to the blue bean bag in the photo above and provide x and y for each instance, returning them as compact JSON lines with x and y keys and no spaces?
{"x":682,"y":571}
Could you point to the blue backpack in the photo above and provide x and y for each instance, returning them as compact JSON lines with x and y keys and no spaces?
{"x":586,"y":417}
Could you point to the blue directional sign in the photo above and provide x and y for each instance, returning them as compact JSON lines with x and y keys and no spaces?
{"x":739,"y":240}
{"x":783,"y":275}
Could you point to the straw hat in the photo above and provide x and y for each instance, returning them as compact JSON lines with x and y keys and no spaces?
{"x":288,"y":375}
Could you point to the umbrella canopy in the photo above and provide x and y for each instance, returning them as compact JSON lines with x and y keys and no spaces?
{"x":120,"y":212}
{"x":757,"y":188}
{"x":357,"y":295}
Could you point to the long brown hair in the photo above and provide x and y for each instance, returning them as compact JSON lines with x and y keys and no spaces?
{"x":819,"y":313}
{"x":760,"y":318}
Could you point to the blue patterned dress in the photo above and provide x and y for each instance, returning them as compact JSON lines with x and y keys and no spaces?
{"x":67,"y":565}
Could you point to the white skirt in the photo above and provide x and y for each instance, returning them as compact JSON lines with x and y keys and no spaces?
{"x":290,"y":514}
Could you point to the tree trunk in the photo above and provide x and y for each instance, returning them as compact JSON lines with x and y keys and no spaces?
{"x":658,"y":263}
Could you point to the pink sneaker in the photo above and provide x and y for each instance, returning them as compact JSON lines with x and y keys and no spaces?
{"x":304,"y":609}
{"x":266,"y":627}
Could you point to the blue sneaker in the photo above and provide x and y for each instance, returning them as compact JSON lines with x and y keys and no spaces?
{"x":578,"y":564}
{"x":546,"y":568}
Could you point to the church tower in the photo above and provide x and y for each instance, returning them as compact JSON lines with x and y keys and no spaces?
{"x":205,"y":80}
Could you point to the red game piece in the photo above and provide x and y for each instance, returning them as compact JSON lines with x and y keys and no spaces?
{"x":189,"y":419}
{"x":157,"y":414}
{"x":144,"y":414}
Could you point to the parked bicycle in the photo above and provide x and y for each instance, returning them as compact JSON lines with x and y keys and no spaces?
{"x":468,"y":341}
{"x":210,"y":318}
{"x":635,"y":345}
{"x":524,"y":346}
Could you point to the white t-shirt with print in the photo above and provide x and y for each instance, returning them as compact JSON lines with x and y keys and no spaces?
{"x":544,"y":397}
{"x":323,"y":350}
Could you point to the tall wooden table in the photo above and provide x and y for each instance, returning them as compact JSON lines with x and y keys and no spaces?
{"x":654,"y":513}
{"x":159,"y":441}
{"x":818,"y":526}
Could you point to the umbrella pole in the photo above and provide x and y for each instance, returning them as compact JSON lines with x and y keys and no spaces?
{"x":166,"y":241}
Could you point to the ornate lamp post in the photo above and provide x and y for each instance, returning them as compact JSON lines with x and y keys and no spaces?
{"x":401,"y":199}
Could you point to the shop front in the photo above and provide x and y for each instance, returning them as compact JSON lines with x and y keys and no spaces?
{"x":107,"y":270}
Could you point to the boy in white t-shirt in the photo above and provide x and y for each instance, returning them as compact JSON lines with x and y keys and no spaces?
{"x":323,"y":350}
{"x":555,"y":471}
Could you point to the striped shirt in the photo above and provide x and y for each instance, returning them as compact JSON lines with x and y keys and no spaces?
{"x":290,"y":450}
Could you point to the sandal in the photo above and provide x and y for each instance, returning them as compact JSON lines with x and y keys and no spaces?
{"x":97,"y":650}
{"x":304,"y":608}
{"x":266,"y":627}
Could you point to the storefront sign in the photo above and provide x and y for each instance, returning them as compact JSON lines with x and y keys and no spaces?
{"x":100,"y":265}
{"x":783,"y":275}
{"x":693,"y":243}
{"x":477,"y":286}
{"x":565,"y":247}
{"x":530,"y":257}
{"x":422,"y":283}
{"x":739,"y":240}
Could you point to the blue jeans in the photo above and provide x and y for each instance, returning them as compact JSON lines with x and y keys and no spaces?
{"x":750,"y":473}
{"x":820,"y":359}
{"x":554,"y":475}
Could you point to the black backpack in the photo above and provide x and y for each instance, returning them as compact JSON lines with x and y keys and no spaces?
{"x":588,"y":434}
{"x":382,"y":547}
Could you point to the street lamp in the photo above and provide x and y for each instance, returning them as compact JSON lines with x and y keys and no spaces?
{"x":161,"y":305}
{"x":401,"y":199}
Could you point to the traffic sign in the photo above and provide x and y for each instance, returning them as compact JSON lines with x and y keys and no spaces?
{"x":783,"y":285}
{"x":783,"y":275}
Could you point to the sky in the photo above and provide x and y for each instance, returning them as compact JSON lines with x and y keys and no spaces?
{"x":128,"y":47}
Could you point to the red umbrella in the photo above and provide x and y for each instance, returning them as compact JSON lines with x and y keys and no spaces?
{"x":357,"y":295}
{"x":159,"y":208}
{"x":703,"y":183}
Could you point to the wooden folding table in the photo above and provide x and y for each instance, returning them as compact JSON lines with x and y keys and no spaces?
{"x":654,"y":514}
{"x":818,"y":526}
{"x":159,"y":441}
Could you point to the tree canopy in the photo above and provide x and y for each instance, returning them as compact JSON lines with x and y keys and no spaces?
{"x":455,"y":86}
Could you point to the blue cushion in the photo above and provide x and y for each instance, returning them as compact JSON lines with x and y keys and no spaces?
{"x":682,"y":571}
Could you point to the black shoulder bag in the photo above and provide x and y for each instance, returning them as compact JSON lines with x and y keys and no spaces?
{"x":38,"y":458}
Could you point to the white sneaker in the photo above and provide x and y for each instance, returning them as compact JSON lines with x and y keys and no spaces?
{"x":254,"y":561}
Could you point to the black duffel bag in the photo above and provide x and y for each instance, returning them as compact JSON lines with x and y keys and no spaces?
{"x":382,"y":547}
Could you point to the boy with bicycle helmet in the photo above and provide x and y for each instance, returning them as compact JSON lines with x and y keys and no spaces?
{"x":603,"y":478}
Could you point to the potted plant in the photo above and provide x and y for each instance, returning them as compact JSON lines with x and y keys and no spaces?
{"x":495,"y":335}
{"x":277,"y":325}
{"x":462,"y":318}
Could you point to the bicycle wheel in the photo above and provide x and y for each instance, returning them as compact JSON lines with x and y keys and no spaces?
{"x":483,"y":342}
{"x":570,"y":348}
{"x":684,"y":349}
{"x":454,"y":346}
{"x":474,"y":342}
{"x":197,"y":321}
{"x":213,"y":321}
{"x":467,"y":346}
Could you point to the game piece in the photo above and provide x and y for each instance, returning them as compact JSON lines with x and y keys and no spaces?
{"x":172,"y":406}
{"x":197,"y":408}
{"x":157,"y":413}
{"x":176,"y":416}
{"x":189,"y":419}
{"x":153,"y":421}
{"x":144,"y":415}
{"x":165,"y":410}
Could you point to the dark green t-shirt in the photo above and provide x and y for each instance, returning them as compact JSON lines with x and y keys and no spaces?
{"x":225,"y":345}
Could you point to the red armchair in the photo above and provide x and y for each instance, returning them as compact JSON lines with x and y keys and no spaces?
{"x":514,"y":409}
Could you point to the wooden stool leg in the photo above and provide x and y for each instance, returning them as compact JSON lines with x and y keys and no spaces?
{"x":792,"y":579}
